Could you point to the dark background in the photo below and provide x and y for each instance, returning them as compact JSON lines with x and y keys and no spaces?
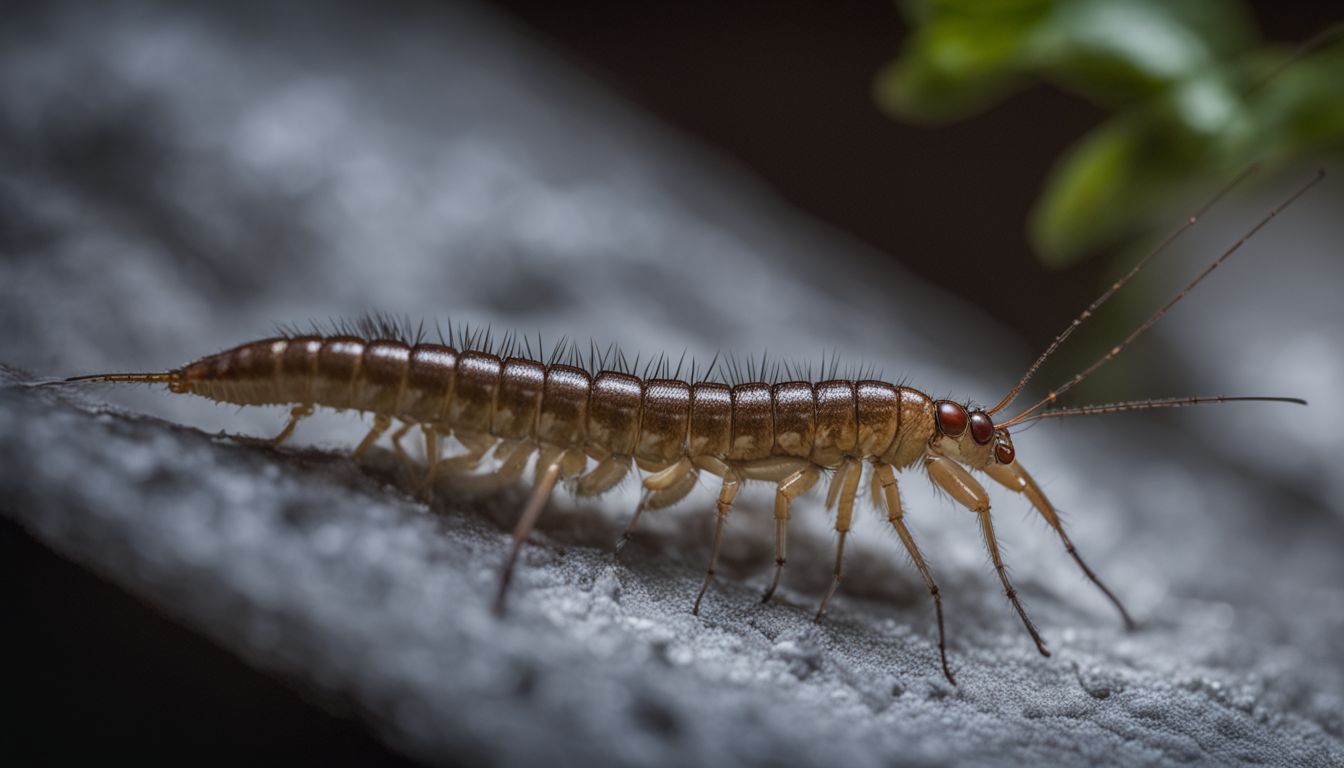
{"x":785,"y":89}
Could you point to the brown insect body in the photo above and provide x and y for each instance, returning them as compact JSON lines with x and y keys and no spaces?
{"x":655,"y":422}
{"x":787,"y":433}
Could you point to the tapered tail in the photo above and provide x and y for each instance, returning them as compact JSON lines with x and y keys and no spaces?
{"x":133,"y":378}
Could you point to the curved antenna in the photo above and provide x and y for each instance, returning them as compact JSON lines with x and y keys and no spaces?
{"x":1155,"y":403}
{"x":1117,"y":285}
{"x":1152,"y":320}
{"x":1320,"y":40}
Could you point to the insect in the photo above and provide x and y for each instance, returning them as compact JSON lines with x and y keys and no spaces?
{"x":589,"y":425}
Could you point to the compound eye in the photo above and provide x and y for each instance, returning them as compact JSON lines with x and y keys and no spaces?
{"x":951,"y":418}
{"x":1004,"y":453}
{"x":982,"y":428}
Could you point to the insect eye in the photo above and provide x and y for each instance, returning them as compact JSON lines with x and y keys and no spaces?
{"x":951,"y":418}
{"x":1004,"y":453}
{"x":982,"y":428}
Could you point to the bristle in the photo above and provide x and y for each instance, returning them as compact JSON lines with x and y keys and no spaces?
{"x":375,"y":326}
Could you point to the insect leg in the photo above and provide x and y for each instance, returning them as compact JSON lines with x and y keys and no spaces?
{"x":296,"y":413}
{"x":477,"y":446}
{"x":513,"y":457}
{"x":789,"y":488}
{"x":553,"y":460}
{"x":843,"y":517}
{"x":675,"y":492}
{"x":1015,"y":478}
{"x":731,"y":484}
{"x":887,"y":493}
{"x":396,"y":440}
{"x":381,"y":422}
{"x":431,"y":458}
{"x":953,"y":478}
{"x":837,"y":480}
{"x":673,"y":478}
{"x":606,"y":474}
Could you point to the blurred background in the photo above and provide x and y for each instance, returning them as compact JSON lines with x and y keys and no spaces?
{"x":935,"y":188}
{"x":833,"y":105}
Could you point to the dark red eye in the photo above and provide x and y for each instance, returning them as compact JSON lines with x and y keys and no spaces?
{"x":982,"y":428}
{"x":951,"y":418}
{"x":1004,"y":453}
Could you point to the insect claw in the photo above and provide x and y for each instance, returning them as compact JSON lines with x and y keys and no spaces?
{"x":704,"y":587}
{"x":774,"y":583}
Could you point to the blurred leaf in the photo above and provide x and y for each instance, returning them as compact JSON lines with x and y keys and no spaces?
{"x":1300,"y":109}
{"x":1131,"y":168}
{"x":962,"y":57}
{"x":1192,"y":103}
{"x":1117,"y":52}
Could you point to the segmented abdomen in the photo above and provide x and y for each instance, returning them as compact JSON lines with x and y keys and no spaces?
{"x":657,"y":421}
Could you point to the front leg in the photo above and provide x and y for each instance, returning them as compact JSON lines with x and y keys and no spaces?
{"x":953,"y":478}
{"x":1014,"y":477}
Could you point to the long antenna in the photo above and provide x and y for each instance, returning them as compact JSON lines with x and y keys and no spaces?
{"x":1151,"y":321}
{"x":1117,"y":285}
{"x":1320,"y":40}
{"x":1153,"y":404}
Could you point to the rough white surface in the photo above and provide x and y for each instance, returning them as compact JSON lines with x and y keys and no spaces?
{"x":450,"y":168}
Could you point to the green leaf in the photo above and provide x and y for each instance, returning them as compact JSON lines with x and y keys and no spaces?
{"x":1192,"y":104}
{"x":961,"y":58}
{"x":1115,"y":177}
{"x":964,"y":55}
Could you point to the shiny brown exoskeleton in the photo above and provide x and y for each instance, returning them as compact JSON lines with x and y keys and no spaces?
{"x":592,"y":427}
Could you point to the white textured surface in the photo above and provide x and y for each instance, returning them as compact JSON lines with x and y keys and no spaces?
{"x":457,"y":171}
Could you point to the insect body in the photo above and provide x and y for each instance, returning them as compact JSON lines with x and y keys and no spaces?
{"x":589,"y":428}
{"x":786,"y":433}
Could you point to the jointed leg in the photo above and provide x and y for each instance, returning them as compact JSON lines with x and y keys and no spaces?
{"x":888,"y":494}
{"x":656,"y":488}
{"x":553,"y":460}
{"x":608,"y":472}
{"x":381,"y":422}
{"x":477,"y":447}
{"x":396,"y":440}
{"x":295,"y":414}
{"x":789,"y":488}
{"x":731,"y":483}
{"x":1014,"y":477}
{"x":431,"y":456}
{"x":954,"y":479}
{"x":849,"y":480}
{"x":512,"y":456}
